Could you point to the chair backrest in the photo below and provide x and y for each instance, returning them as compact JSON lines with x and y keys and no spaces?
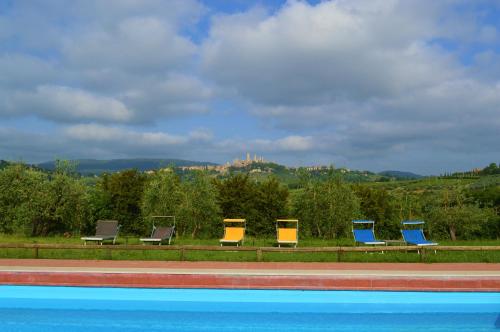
{"x":364,"y":235}
{"x":234,"y":220}
{"x":164,"y":222}
{"x":287,"y":234}
{"x":370,"y":223}
{"x":162,"y":232}
{"x":421,"y":223}
{"x":413,"y":235}
{"x":234,"y":233}
{"x":107,"y":227}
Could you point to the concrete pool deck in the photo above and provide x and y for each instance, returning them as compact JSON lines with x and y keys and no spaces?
{"x":253,"y":275}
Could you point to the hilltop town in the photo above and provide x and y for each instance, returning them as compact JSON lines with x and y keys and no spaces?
{"x":237,"y":163}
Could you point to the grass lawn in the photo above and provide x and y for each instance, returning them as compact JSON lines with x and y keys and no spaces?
{"x":175,"y":255}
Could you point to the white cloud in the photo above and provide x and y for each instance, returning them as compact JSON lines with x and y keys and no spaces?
{"x":488,"y":34}
{"x":276,"y":147}
{"x":101,"y":141}
{"x":361,"y":82}
{"x":179,"y":12}
{"x":201,"y":135}
{"x":332,"y":51}
{"x":140,"y":44}
{"x":20,"y":71}
{"x":67,"y":104}
{"x":121,"y":61}
{"x":295,"y":143}
{"x":486,"y":66}
{"x":364,"y":79}
{"x":99,"y":133}
{"x":4,"y":29}
{"x":177,"y":94}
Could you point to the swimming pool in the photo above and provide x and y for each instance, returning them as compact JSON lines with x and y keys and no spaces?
{"x":34,"y":308}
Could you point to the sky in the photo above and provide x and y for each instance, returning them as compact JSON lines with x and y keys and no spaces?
{"x":376,"y":85}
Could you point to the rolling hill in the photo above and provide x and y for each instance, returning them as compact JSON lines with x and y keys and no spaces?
{"x":94,"y":166}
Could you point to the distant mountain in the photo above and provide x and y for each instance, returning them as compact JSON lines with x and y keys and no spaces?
{"x":93,"y":166}
{"x":4,"y":164}
{"x":401,"y":175}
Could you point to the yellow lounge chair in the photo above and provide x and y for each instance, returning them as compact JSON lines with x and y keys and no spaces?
{"x":287,"y":235}
{"x":233,"y":234}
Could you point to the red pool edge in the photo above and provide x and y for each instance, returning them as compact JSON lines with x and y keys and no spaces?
{"x":442,"y":277}
{"x":155,"y":280}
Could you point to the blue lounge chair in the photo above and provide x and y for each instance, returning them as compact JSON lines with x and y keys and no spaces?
{"x":415,"y":236}
{"x":363,"y":235}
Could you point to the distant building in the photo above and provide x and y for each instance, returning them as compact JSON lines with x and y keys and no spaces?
{"x":217,"y":168}
{"x":224,"y":168}
{"x":317,"y":168}
{"x":248,"y":161}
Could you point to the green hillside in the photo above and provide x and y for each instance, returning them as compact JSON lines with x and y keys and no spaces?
{"x":291,"y":176}
{"x":400,"y":175}
{"x":93,"y":166}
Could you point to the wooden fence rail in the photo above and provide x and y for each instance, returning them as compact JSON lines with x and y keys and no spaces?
{"x":36,"y":247}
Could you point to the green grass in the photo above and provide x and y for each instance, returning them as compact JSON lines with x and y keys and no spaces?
{"x":243,"y":256}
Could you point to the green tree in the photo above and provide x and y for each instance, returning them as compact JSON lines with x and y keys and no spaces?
{"x":487,"y":197}
{"x":491,"y":169}
{"x":236,"y":196}
{"x":21,"y":190}
{"x":269,"y":204}
{"x":326,"y":208}
{"x":199,"y":213}
{"x":64,"y":205}
{"x":407,"y":204}
{"x":123,"y":192}
{"x":162,"y":194}
{"x":259,"y":203}
{"x":450,"y":214}
{"x":35,"y":204}
{"x":99,"y":207}
{"x":379,"y":205}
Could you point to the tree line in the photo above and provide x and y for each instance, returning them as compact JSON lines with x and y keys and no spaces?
{"x":37,"y":203}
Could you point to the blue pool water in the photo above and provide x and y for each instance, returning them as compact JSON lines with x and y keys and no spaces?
{"x":74,"y":309}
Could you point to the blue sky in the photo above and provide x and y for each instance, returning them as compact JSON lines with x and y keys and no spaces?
{"x":366,"y":84}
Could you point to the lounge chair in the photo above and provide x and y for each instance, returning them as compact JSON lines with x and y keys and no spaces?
{"x":287,"y":235}
{"x":415,"y":236}
{"x":233,"y":234}
{"x":105,"y":230}
{"x":160,"y":234}
{"x":363,"y":235}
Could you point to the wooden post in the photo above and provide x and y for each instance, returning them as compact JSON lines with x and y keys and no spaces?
{"x":424,"y":254}
{"x":259,"y":255}
{"x":108,"y":254}
{"x":339,"y":255}
{"x":182,"y":254}
{"x":35,"y":252}
{"x":421,"y":252}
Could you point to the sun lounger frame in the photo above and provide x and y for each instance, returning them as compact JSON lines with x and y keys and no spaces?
{"x":420,"y":230}
{"x":372,"y":229}
{"x":104,"y":235}
{"x":158,"y":240}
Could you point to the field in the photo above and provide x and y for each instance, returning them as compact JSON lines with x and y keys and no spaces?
{"x":246,"y":256}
